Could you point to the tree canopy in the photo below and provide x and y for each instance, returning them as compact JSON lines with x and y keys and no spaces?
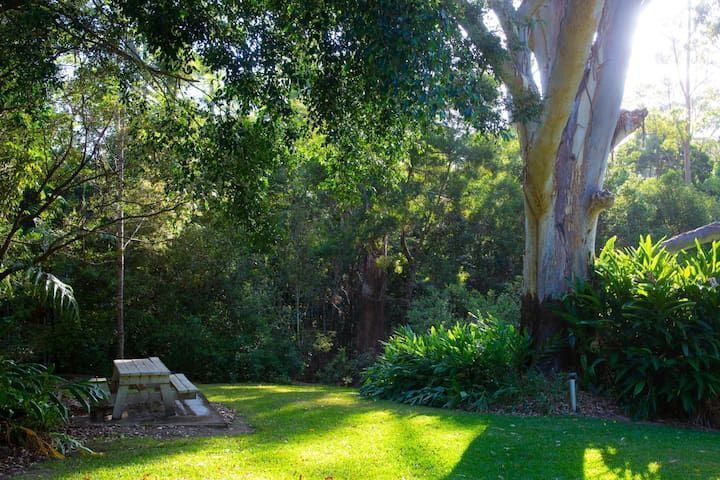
{"x":306,"y":176}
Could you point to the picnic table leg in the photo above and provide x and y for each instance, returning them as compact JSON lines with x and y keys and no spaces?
{"x":119,"y":402}
{"x":168,"y":398}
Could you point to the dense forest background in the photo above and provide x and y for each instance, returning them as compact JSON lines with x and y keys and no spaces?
{"x":334,"y":264}
{"x":238,"y":239}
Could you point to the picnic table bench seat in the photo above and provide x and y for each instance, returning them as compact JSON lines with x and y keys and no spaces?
{"x":101,"y":383}
{"x":184,"y":387}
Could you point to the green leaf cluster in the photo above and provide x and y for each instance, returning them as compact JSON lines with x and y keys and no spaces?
{"x":646,"y":326}
{"x":468,"y":366}
{"x":31,"y":405}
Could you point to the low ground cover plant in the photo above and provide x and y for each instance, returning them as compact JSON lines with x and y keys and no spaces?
{"x":32,"y":410}
{"x":647,"y":328}
{"x":468,"y":365}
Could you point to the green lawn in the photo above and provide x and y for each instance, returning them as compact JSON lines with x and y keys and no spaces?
{"x":312,"y":432}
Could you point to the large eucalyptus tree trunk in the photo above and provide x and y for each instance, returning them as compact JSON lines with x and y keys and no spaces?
{"x":581,"y":49}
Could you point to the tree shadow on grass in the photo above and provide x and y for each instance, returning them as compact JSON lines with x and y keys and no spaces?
{"x":317,"y":432}
{"x":286,"y":421}
{"x":574,"y":448}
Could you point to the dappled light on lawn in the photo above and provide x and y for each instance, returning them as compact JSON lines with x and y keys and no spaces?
{"x":597,"y":467}
{"x":318,"y":432}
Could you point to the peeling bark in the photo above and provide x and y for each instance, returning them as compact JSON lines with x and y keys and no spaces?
{"x":582,"y":50}
{"x":629,"y":121}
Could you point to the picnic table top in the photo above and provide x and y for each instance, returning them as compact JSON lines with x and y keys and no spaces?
{"x":140,"y":366}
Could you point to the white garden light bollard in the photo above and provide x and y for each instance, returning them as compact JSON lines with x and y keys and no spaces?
{"x":573,"y":398}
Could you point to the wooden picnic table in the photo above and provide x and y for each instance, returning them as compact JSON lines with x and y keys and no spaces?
{"x":140,"y":374}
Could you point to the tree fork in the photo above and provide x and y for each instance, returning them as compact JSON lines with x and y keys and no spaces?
{"x":581,"y":50}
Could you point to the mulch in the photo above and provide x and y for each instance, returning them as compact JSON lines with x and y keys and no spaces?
{"x":15,"y":460}
{"x":592,"y":406}
{"x":588,"y":405}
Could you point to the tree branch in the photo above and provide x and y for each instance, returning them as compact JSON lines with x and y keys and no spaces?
{"x":50,"y":199}
{"x":94,"y":38}
{"x":705,"y":234}
{"x":601,"y":200}
{"x":69,"y":239}
{"x":628,"y":122}
{"x":517,"y":72}
{"x":607,"y":71}
{"x":529,"y":8}
{"x":405,"y":247}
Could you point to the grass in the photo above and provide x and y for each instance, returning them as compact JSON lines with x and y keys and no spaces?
{"x":314,"y":432}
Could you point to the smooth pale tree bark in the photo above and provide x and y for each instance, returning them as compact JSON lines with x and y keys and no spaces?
{"x":581,"y":51}
{"x":120,"y":248}
{"x":687,"y":93}
{"x":705,"y":234}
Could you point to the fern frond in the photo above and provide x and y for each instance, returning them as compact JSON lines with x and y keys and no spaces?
{"x":51,"y":291}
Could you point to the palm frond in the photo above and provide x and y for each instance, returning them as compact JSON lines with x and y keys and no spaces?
{"x":51,"y":291}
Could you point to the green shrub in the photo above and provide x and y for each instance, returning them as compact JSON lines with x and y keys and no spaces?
{"x":647,"y":326}
{"x":344,"y":369}
{"x":468,"y":365}
{"x":659,"y":206}
{"x":31,"y":409}
{"x":503,"y":303}
{"x":431,"y":308}
{"x":452,"y":304}
{"x":338,"y":371}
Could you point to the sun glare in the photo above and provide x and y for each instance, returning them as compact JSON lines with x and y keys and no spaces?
{"x":652,"y":75}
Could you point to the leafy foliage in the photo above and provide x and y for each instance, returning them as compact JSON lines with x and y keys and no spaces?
{"x":221,"y":319}
{"x":343,"y":369}
{"x":467,"y":365}
{"x":647,"y":327}
{"x":31,"y":409}
{"x":363,"y":69}
{"x":455,"y":303}
{"x":658,"y":149}
{"x":660,"y":207}
{"x":285,"y":127}
{"x":52,"y":291}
